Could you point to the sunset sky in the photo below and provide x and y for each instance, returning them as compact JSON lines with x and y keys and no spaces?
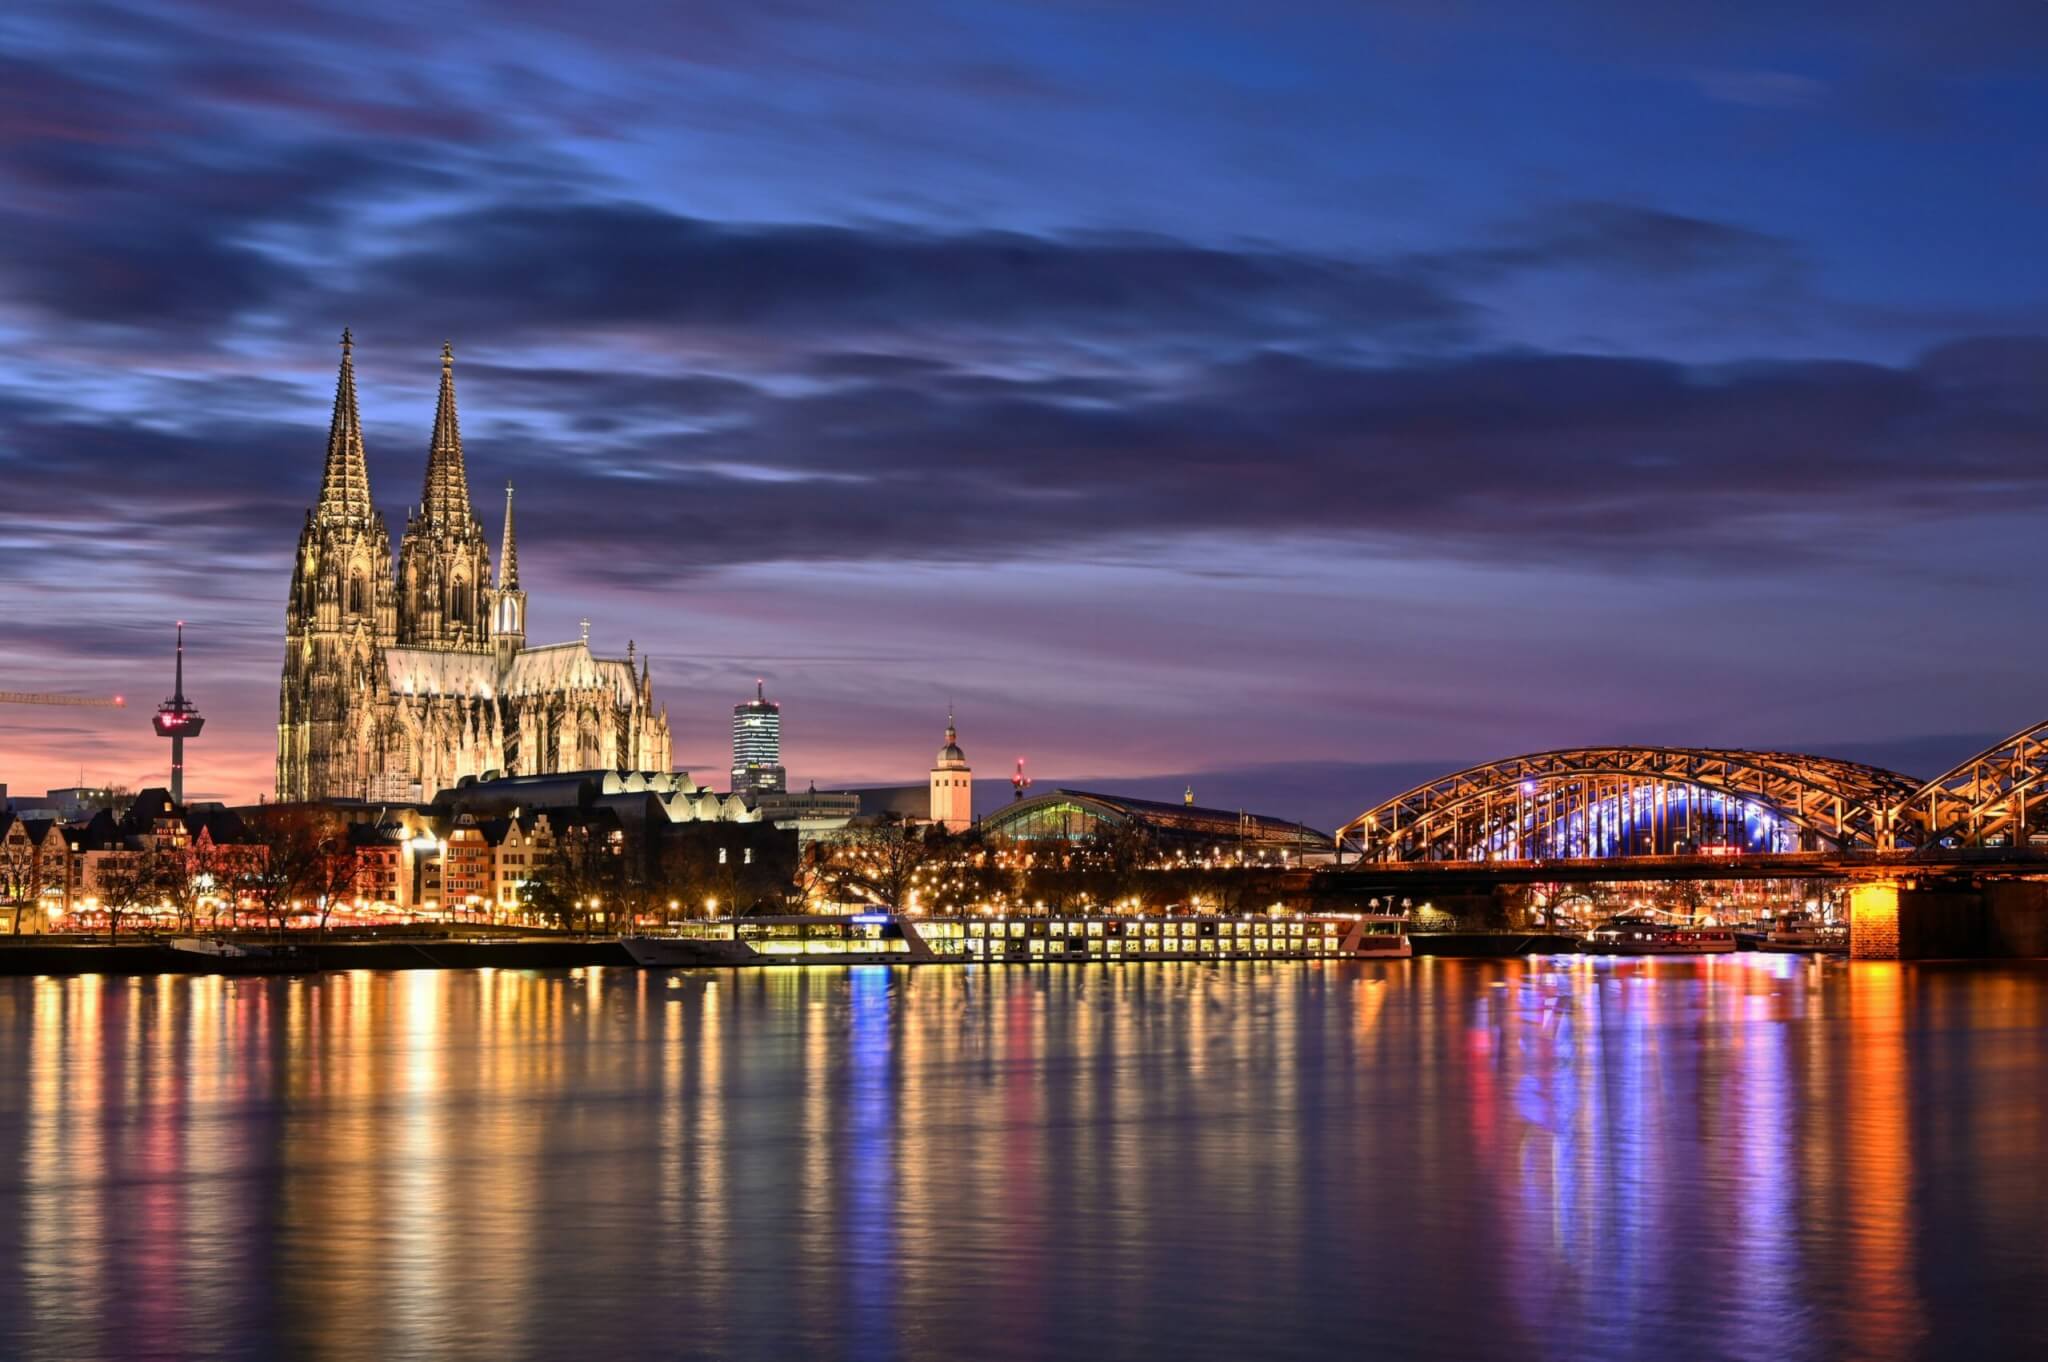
{"x":1300,"y":394}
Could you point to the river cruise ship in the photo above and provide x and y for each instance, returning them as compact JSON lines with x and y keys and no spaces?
{"x":892,"y":938}
{"x":1645,"y":936}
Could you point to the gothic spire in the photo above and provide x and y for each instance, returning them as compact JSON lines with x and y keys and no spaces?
{"x":508,"y":551}
{"x":345,"y":486}
{"x":447,"y":493}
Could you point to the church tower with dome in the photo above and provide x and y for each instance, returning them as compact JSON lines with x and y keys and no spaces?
{"x":952,"y":784}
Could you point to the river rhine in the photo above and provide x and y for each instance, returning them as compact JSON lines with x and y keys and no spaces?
{"x":1748,"y":1157}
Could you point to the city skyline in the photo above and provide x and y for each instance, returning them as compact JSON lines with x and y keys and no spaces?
{"x":1210,"y":418}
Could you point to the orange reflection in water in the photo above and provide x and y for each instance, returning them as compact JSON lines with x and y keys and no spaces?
{"x":1884,"y":1314}
{"x":1456,"y":1159}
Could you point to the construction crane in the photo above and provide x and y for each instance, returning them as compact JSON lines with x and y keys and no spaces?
{"x":43,"y":697}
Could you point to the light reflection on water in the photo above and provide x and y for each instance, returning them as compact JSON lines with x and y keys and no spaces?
{"x":1746,"y":1157}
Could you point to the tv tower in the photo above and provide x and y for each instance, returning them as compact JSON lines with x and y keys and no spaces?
{"x":177,"y":719}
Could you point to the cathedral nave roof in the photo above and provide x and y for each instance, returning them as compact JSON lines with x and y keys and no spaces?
{"x":430,"y":671}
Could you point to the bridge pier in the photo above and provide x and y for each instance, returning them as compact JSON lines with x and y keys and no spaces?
{"x":2002,"y":919}
{"x":1874,"y":921}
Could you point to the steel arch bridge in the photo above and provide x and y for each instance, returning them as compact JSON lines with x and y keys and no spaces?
{"x":1600,"y":802}
{"x":1608,"y":802}
{"x":1997,"y":798}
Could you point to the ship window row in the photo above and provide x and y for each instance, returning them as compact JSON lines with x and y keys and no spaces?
{"x":1187,"y":927}
{"x":823,"y":946}
{"x":1208,"y":945}
{"x":822,"y":931}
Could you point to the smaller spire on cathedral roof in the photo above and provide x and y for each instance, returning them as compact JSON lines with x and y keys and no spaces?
{"x":508,"y":551}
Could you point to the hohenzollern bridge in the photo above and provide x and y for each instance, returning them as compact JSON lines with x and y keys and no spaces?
{"x":1973,"y":840}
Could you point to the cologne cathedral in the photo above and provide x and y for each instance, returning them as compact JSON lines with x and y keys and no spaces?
{"x":397,"y":686}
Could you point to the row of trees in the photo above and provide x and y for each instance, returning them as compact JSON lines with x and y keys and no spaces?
{"x":591,"y":872}
{"x":299,"y":862}
{"x":902,"y":864}
{"x":290,"y":863}
{"x":588,"y":873}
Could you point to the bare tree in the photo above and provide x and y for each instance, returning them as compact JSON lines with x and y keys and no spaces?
{"x":958,"y":872}
{"x":880,"y":861}
{"x":23,"y":872}
{"x":186,"y":877}
{"x":582,"y":869}
{"x":1121,"y":852}
{"x":296,"y":857}
{"x":127,"y":882}
{"x":812,"y":875}
{"x":333,"y":875}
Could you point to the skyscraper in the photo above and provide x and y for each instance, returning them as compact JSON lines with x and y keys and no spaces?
{"x":757,"y":746}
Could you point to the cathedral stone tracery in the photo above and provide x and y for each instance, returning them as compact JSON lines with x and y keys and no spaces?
{"x":398,"y":685}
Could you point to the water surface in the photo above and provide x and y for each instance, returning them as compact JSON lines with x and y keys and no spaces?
{"x":1746,"y":1157}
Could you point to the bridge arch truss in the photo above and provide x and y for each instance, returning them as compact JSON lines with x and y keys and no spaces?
{"x":1997,"y":798}
{"x":1603,"y":802}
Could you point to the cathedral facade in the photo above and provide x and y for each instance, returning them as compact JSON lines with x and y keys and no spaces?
{"x":398,"y":683}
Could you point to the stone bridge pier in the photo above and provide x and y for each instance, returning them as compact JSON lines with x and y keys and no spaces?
{"x":1893,"y":919}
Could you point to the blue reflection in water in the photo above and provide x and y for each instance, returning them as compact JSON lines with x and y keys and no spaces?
{"x":1449,"y":1161}
{"x":870,"y":1163}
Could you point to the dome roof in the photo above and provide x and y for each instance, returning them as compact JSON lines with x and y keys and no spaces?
{"x":950,"y":754}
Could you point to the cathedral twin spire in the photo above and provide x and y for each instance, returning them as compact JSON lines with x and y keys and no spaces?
{"x":345,"y":486}
{"x":445,"y":592}
{"x":446,"y":498}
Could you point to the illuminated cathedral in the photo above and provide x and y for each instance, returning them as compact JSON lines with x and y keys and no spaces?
{"x":397,"y":685}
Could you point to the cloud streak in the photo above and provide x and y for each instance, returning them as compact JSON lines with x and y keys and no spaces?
{"x":1107,"y":363}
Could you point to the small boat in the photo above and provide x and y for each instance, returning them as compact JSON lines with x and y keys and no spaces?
{"x":881,"y":938}
{"x":236,"y":957}
{"x":1646,"y":936}
{"x":211,"y":947}
{"x":1805,"y":936}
